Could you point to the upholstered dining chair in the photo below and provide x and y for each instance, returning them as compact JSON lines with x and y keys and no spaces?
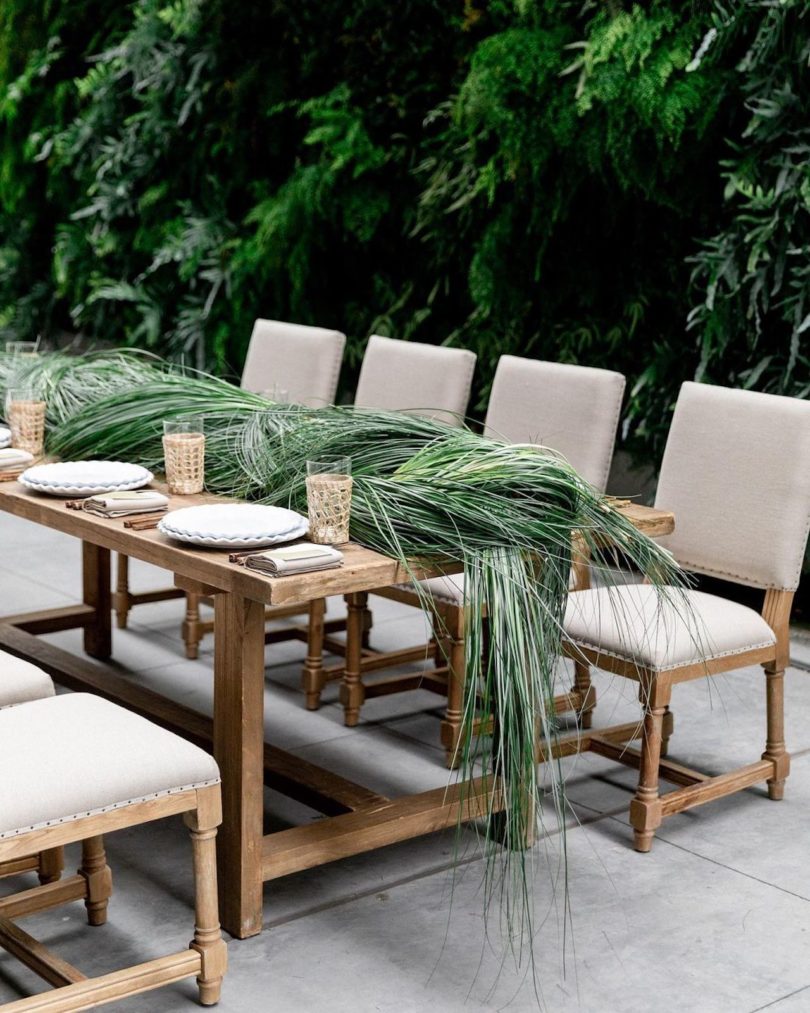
{"x":116,"y":770}
{"x":304,"y":362}
{"x":736,"y":473}
{"x":294,"y":361}
{"x":22,"y":682}
{"x":573,"y":409}
{"x":407,"y":376}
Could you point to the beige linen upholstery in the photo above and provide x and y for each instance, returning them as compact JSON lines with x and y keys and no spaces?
{"x":450,"y":589}
{"x":736,"y":472}
{"x":21,"y":682}
{"x":304,"y":361}
{"x":78,"y":755}
{"x":572,"y":409}
{"x":422,"y":379}
{"x":633,"y":623}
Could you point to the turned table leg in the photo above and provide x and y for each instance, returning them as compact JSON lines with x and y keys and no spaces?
{"x":239,"y":751}
{"x":122,"y":602}
{"x":98,"y":595}
{"x":312,"y":675}
{"x":352,"y":692}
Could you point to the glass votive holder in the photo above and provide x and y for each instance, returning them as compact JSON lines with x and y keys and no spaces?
{"x":184,"y":454}
{"x":25,"y":414}
{"x":329,"y":500}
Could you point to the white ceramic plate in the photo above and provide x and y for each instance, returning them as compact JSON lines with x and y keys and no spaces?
{"x":234,"y":525}
{"x":5,"y":437}
{"x":85,"y":478}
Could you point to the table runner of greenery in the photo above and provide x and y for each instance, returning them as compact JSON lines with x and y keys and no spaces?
{"x":421,"y":490}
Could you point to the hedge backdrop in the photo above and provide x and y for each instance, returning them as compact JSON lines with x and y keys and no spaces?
{"x":616,"y":184}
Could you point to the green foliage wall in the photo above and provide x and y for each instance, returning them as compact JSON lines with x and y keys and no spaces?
{"x":577,"y":181}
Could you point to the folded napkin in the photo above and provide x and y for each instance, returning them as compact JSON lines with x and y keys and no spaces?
{"x":299,"y":558}
{"x":120,"y":504}
{"x":11,"y":457}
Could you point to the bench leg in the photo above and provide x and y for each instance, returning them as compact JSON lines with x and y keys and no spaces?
{"x":95,"y":870}
{"x":51,"y":865}
{"x":208,"y":941}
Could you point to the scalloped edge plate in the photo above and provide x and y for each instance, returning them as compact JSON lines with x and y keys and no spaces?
{"x":64,"y":487}
{"x":181,"y":526}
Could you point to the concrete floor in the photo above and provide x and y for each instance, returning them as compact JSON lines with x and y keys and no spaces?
{"x":715,"y":920}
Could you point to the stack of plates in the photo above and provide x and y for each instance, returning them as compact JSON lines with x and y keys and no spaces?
{"x":85,"y":478}
{"x":5,"y":437}
{"x":234,"y":525}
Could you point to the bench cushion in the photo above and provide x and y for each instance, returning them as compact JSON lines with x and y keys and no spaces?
{"x":77,"y":755}
{"x":20,"y":681}
{"x":632,"y":623}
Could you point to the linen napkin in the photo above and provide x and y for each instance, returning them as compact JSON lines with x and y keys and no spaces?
{"x":300,"y":558}
{"x":11,"y":457}
{"x":120,"y":504}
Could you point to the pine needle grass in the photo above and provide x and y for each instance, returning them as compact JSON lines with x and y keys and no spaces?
{"x":504,"y":514}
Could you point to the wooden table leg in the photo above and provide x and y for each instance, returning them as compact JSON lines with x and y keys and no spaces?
{"x":352,"y":691}
{"x":98,"y":595}
{"x":312,"y":675}
{"x":239,"y":750}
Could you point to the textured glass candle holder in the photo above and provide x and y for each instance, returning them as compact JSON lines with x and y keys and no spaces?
{"x":329,"y":500}
{"x":184,"y":455}
{"x":25,"y":414}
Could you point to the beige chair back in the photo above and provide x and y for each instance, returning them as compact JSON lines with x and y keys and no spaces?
{"x":572,"y":409}
{"x":736,"y":472}
{"x":423,"y":379}
{"x":303,"y":361}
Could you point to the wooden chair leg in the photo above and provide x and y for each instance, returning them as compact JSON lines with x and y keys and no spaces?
{"x":51,"y":865}
{"x":584,"y":686}
{"x":312,"y":675}
{"x":667,"y":728}
{"x":456,"y":679}
{"x":208,"y":939}
{"x":122,"y":602}
{"x":775,"y":749}
{"x":95,"y":870}
{"x":645,"y":809}
{"x":352,"y":691}
{"x":191,"y":627}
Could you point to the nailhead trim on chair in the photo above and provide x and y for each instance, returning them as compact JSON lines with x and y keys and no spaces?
{"x":7,"y":834}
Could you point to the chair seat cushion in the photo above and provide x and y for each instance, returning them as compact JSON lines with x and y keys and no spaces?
{"x":78,"y":755}
{"x":450,"y":589}
{"x":20,"y":681}
{"x":631,"y":622}
{"x":446,"y":589}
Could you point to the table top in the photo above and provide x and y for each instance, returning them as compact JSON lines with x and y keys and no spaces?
{"x":363,"y":569}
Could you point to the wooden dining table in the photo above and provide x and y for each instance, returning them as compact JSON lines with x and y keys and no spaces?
{"x":356,"y":819}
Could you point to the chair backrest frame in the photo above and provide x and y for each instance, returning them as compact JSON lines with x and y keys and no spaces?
{"x":736,"y":473}
{"x":430,"y":380}
{"x":304,"y":361}
{"x":574,"y":410}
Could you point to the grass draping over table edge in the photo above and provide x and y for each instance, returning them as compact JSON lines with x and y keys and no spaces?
{"x":422,"y":491}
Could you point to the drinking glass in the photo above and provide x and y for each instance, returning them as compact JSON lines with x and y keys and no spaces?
{"x":184,"y":454}
{"x":329,"y":500}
